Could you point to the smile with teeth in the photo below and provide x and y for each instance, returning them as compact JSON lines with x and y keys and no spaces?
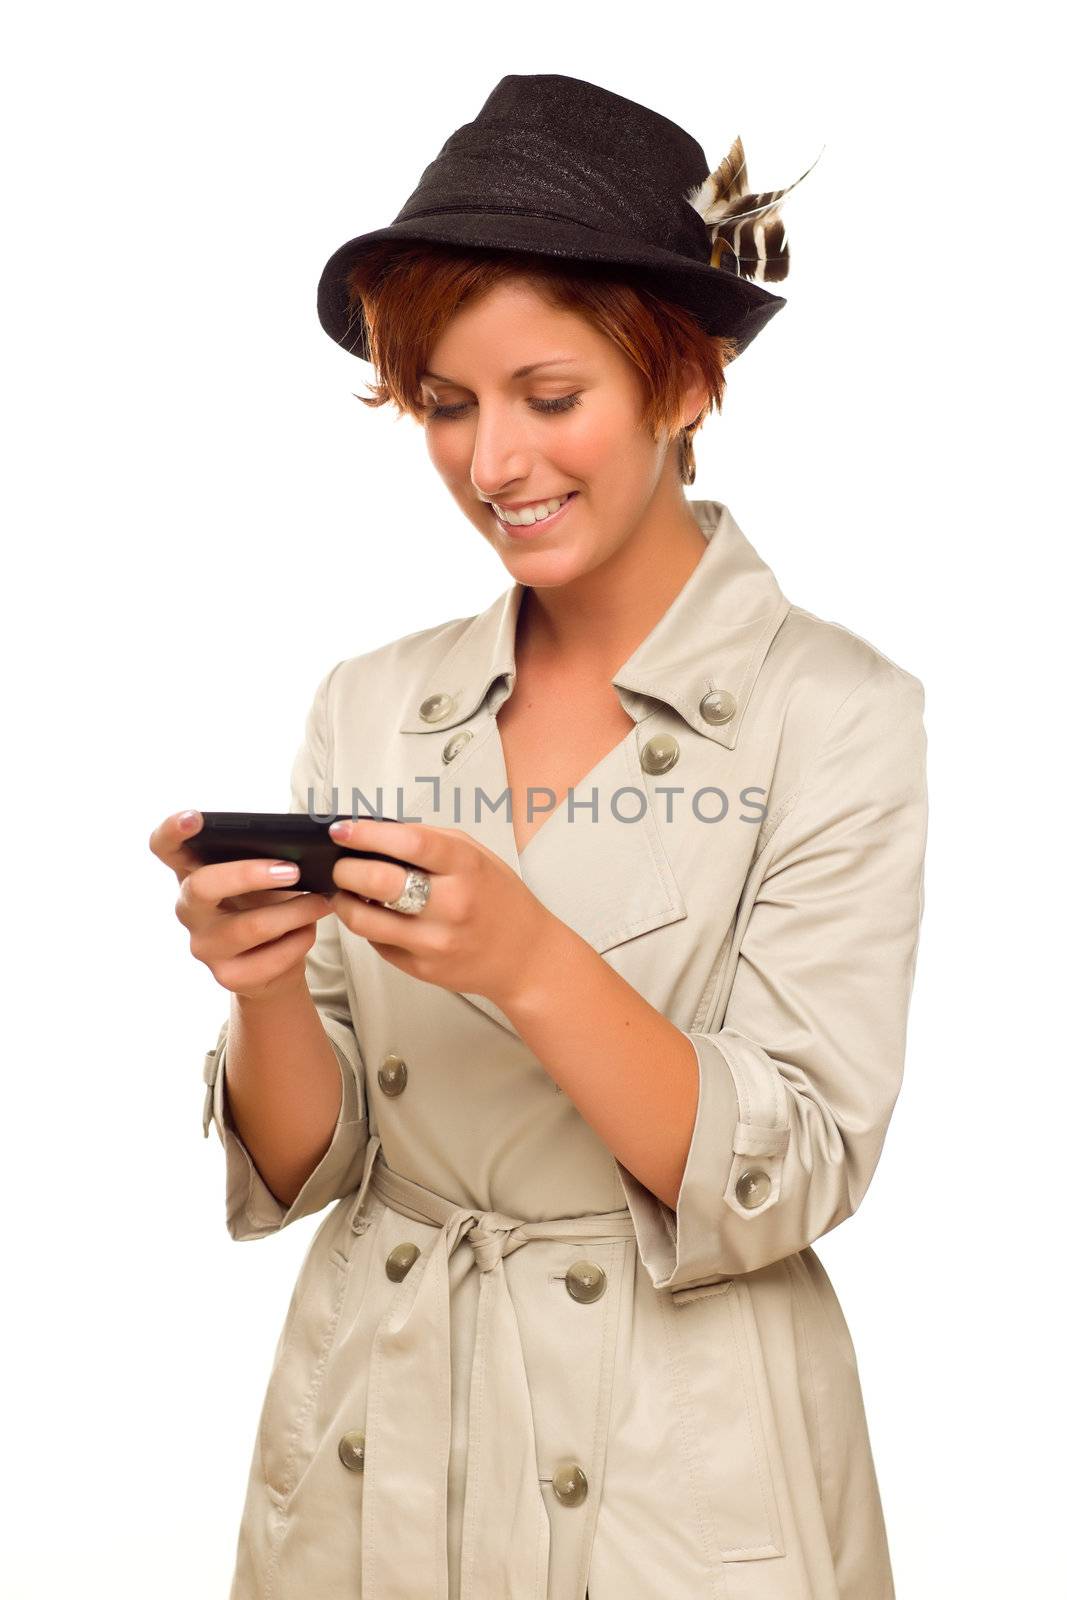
{"x":528,"y":515}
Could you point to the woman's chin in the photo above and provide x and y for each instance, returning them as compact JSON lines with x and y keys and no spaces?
{"x":545,"y":569}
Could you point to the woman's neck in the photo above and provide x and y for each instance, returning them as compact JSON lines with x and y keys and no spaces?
{"x":595,"y":623}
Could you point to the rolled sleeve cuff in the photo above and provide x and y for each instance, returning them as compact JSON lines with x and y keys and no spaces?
{"x":733,"y":1170}
{"x":252,"y":1210}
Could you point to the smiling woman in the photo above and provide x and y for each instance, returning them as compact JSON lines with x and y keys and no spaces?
{"x":587,"y":1080}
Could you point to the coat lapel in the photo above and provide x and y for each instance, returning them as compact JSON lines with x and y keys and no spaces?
{"x":607,"y":877}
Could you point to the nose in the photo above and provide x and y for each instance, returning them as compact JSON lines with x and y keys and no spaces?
{"x":501,"y":457}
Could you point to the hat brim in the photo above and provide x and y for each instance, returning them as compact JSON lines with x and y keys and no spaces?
{"x":720,"y":301}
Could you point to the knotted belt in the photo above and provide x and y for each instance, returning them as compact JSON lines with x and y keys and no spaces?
{"x":409,"y":1428}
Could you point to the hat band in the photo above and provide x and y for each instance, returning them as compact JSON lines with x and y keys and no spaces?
{"x":499,"y":210}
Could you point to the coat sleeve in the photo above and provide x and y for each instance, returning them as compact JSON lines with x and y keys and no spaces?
{"x":252,"y":1211}
{"x":798,"y":1083}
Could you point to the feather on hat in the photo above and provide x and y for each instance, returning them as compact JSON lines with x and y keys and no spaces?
{"x":745,"y":231}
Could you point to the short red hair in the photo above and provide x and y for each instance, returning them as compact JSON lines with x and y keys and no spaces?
{"x":410,"y":292}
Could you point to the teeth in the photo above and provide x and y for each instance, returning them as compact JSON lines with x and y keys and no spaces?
{"x":528,"y":514}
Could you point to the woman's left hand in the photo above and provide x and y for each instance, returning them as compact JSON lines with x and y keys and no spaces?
{"x":480,"y":927}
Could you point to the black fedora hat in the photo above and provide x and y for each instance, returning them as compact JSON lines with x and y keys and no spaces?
{"x":559,"y":167}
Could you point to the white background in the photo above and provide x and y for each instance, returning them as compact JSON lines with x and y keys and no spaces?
{"x":201,"y":520}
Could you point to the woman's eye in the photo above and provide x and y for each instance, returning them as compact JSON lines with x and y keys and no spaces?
{"x":565,"y":403}
{"x":446,"y":411}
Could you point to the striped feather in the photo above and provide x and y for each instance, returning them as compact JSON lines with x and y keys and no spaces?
{"x":746,"y":234}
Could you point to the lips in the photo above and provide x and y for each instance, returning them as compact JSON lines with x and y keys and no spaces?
{"x":524,"y":505}
{"x":527,"y":530}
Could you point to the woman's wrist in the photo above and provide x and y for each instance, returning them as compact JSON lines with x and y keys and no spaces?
{"x":277,"y":995}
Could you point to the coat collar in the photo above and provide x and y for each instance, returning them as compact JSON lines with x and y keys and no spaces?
{"x":714,"y":635}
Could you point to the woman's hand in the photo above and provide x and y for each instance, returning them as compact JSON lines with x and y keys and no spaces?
{"x":478,"y":930}
{"x":252,"y":937}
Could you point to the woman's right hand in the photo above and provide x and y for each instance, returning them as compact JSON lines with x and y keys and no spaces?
{"x":252,"y":937}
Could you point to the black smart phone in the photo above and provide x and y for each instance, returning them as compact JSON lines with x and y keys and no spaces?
{"x":281,"y":836}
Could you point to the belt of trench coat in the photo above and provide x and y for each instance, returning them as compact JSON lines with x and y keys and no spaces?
{"x":506,"y":1529}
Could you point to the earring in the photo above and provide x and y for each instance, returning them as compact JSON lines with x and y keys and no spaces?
{"x":688,"y":455}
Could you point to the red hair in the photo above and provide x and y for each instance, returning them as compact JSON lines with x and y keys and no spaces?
{"x":410,"y":292}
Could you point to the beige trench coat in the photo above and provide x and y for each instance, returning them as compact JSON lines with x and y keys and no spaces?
{"x":509,"y":1371}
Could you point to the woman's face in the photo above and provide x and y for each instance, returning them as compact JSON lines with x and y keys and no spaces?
{"x":570,"y":427}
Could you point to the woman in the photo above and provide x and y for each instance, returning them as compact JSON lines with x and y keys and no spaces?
{"x":590,"y":1078}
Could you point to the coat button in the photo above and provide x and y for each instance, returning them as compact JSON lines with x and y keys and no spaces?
{"x":660,"y":753}
{"x":350,"y":1449}
{"x":570,"y":1484}
{"x":752,"y":1187}
{"x":400,"y":1261}
{"x":436,"y":707}
{"x":586,"y":1282}
{"x":393,"y":1075}
{"x":717,"y":706}
{"x":456,"y":743}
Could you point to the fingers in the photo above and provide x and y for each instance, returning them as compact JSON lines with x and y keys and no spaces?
{"x":376,"y":922}
{"x":375,"y":880}
{"x":434,"y":849}
{"x":253,"y":971}
{"x":220,"y":893}
{"x":235,"y":933}
{"x":167,"y":841}
{"x":205,"y":887}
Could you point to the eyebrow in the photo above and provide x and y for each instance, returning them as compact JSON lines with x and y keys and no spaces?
{"x":520,"y":372}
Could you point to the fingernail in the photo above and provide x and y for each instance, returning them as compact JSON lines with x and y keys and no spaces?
{"x":186,"y":818}
{"x":283,"y":869}
{"x":340,"y":830}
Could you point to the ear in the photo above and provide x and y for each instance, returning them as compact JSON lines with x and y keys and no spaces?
{"x":696,"y":399}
